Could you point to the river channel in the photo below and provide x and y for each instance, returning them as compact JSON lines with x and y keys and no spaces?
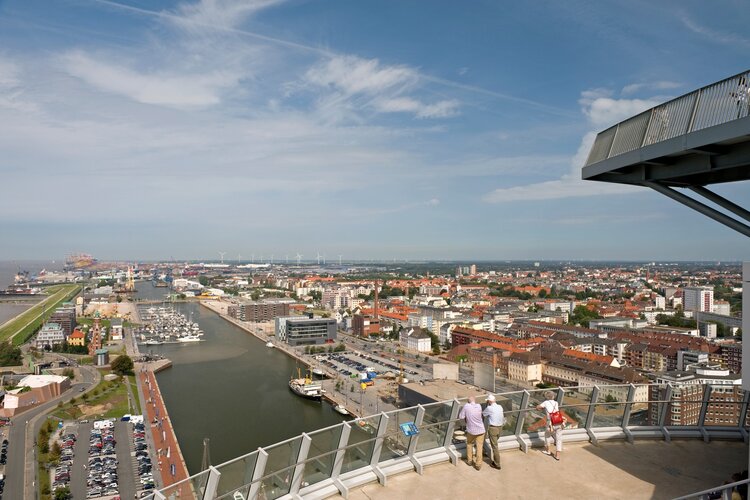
{"x":231,"y":389}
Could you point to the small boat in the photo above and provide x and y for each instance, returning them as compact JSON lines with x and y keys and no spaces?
{"x":341,"y":409}
{"x":189,"y":338}
{"x":153,"y":342}
{"x":319,"y":372}
{"x":270,"y":344}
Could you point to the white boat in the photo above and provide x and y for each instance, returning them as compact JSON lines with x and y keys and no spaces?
{"x":153,"y":342}
{"x":189,"y":338}
{"x":319,"y":372}
{"x":270,"y":344}
{"x":341,"y":409}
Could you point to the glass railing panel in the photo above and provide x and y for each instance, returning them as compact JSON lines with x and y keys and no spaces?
{"x":320,"y":458}
{"x":684,"y":408}
{"x":639,"y":410}
{"x":237,"y":475}
{"x":724,"y":406}
{"x":279,"y":468}
{"x":192,"y":487}
{"x":534,"y":420}
{"x":361,"y":443}
{"x":396,"y":443}
{"x":434,"y":426}
{"x":575,"y":405}
{"x":610,"y":405}
{"x":511,"y":403}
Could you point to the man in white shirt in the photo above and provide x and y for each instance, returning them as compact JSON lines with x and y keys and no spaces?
{"x":495,"y":420}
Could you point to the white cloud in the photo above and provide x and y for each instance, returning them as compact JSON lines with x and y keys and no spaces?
{"x":356,"y":82}
{"x":220,"y":13}
{"x":657,"y":85}
{"x":354,"y":75}
{"x":603,"y":111}
{"x":714,"y":35}
{"x":180,"y":90}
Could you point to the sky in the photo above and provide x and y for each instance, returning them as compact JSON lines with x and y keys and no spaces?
{"x":390,"y":129}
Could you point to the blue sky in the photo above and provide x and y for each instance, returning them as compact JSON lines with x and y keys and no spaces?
{"x":389,"y":129}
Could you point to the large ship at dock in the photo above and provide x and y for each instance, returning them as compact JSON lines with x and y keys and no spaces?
{"x":79,"y":261}
{"x":307,"y":388}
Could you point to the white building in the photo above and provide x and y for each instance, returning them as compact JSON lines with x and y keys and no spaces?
{"x":722,"y":307}
{"x":660,"y":302}
{"x":698,"y":298}
{"x":50,"y":335}
{"x":416,"y":340}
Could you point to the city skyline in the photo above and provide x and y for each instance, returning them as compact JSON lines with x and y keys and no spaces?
{"x":133,"y":130}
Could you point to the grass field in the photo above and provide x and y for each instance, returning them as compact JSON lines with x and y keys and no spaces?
{"x":136,"y":396}
{"x":23,"y":326}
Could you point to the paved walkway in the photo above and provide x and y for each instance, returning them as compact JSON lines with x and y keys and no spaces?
{"x":163,"y":435}
{"x":614,"y":470}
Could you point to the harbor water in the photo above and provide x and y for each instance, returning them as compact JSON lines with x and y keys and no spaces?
{"x":231,"y":389}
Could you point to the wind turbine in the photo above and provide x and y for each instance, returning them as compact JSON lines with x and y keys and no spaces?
{"x":222,"y":254}
{"x":340,"y":259}
{"x":271,"y":259}
{"x":287,"y":258}
{"x":299,"y":256}
{"x":252,"y":258}
{"x":319,"y":256}
{"x":239,"y":258}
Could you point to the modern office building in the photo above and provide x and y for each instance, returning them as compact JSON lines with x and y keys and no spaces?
{"x":300,"y":330}
{"x":65,"y":316}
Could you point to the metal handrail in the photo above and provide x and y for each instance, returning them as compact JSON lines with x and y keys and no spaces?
{"x":723,"y":488}
{"x":295,"y":475}
{"x":713,"y":104}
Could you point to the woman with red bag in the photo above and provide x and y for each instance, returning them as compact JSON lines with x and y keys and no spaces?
{"x":555,"y":424}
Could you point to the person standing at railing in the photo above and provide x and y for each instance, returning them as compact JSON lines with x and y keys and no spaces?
{"x":554,"y":429}
{"x":472,"y":414}
{"x":495,"y":421}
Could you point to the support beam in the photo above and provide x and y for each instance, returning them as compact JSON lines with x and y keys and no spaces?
{"x":700,"y":207}
{"x":722,"y":202}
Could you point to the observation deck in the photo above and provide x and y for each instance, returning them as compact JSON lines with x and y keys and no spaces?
{"x":623,"y":441}
{"x":695,"y":140}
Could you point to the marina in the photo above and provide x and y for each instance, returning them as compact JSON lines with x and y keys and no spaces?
{"x":164,"y":325}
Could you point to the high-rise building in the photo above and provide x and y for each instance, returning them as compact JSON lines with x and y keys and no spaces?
{"x":698,"y":298}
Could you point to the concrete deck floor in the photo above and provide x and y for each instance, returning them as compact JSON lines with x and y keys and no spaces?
{"x":612,"y":470}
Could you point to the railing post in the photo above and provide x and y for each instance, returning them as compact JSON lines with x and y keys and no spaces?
{"x":663,"y":410}
{"x":212,"y":484}
{"x":743,"y":414}
{"x":258,"y":471}
{"x":519,"y":421}
{"x":378,"y":447}
{"x":704,"y":409}
{"x":299,"y":470}
{"x":338,"y":460}
{"x":448,"y":441}
{"x":626,"y":413}
{"x":694,"y":111}
{"x":415,"y":439}
{"x":590,"y":414}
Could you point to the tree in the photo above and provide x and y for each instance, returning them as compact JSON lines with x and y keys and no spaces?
{"x":62,"y":493}
{"x":9,"y":355}
{"x":122,"y":365}
{"x":55,"y":451}
{"x":582,"y":315}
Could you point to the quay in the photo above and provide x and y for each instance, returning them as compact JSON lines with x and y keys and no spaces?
{"x":170,"y":462}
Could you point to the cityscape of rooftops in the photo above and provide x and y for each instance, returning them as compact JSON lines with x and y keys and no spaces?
{"x":309,"y":234}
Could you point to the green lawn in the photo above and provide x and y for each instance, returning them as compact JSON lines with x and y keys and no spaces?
{"x":110,"y":401}
{"x":23,"y":326}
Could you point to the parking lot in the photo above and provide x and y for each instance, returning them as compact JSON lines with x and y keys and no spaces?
{"x":102,"y":462}
{"x":351,"y":364}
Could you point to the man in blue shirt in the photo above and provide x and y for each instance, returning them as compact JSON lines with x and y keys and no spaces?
{"x":495,"y":421}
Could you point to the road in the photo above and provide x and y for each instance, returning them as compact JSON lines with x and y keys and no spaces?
{"x":21,"y":468}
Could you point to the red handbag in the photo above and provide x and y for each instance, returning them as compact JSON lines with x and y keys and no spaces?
{"x":556,"y":418}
